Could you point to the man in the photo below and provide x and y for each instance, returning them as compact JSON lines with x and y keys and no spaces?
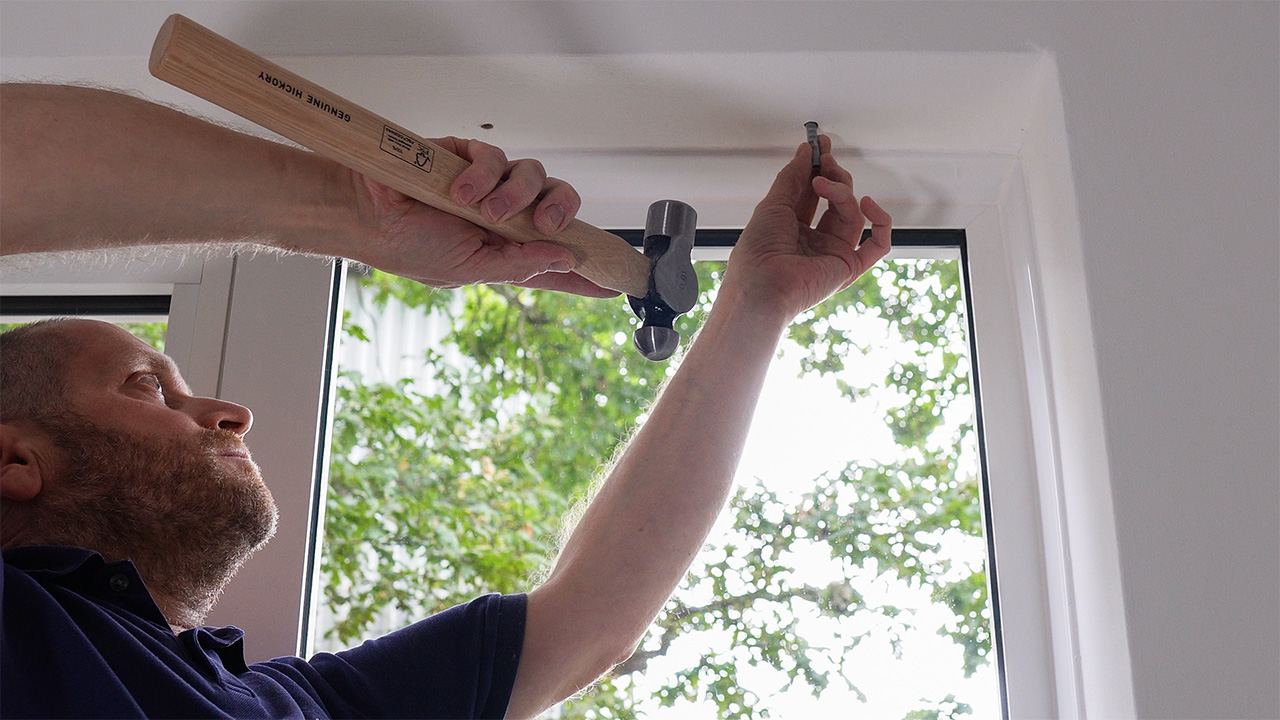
{"x":105,"y":450}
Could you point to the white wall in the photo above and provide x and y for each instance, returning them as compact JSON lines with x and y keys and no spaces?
{"x":1173,"y":122}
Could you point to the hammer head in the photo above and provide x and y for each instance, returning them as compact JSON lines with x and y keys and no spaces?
{"x":673,"y":285}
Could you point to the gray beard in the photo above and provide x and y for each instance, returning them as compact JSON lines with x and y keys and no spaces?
{"x":187,"y":518}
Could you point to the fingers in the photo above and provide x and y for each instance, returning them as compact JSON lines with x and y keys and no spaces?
{"x":522,"y":185}
{"x":558,"y":205}
{"x":793,"y":187}
{"x":876,"y":246}
{"x":488,"y":167}
{"x":843,"y":217}
{"x":504,"y":188}
{"x":839,"y":231}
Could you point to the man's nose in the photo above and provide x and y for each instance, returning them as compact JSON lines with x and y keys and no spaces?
{"x":218,"y":414}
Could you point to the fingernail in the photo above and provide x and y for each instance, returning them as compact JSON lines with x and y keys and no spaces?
{"x":466,"y":194}
{"x":560,"y":266}
{"x":555,"y":214}
{"x":496,"y":208}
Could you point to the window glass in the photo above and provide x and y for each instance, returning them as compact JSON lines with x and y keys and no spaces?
{"x":848,"y":574}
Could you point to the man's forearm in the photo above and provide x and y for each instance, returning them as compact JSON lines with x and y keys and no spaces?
{"x":86,"y":168}
{"x":641,"y":532}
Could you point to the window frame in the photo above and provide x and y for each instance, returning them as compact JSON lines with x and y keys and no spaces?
{"x":715,"y":244}
{"x":25,"y":306}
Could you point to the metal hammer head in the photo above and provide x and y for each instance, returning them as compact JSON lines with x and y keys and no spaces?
{"x":673,"y":285}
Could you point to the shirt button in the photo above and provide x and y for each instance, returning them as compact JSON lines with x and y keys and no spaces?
{"x":118,"y":582}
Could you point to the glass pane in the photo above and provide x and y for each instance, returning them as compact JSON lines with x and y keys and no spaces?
{"x":848,"y":575}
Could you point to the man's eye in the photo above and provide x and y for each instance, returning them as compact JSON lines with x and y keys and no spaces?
{"x":153,"y":382}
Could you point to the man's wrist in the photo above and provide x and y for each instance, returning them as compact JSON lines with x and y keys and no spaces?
{"x":736,"y":303}
{"x":323,"y":215}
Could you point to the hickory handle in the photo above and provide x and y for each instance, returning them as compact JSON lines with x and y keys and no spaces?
{"x":198,"y":60}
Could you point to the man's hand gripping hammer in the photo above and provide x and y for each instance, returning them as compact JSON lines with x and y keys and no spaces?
{"x":660,"y":284}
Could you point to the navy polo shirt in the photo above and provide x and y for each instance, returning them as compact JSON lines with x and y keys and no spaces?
{"x":81,"y":637}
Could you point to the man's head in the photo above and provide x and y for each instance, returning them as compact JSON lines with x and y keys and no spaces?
{"x":104,"y":447}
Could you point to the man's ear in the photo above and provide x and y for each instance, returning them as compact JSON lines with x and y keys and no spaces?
{"x":24,"y":460}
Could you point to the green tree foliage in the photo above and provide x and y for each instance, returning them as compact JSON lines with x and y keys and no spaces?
{"x":443,"y":492}
{"x":512,"y":434}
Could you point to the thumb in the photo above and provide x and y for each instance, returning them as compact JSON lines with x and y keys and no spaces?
{"x":513,"y":263}
{"x":792,"y":181}
{"x":541,"y":257}
{"x":547,"y":266}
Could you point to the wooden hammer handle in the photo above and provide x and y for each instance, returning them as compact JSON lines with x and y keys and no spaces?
{"x":208,"y":65}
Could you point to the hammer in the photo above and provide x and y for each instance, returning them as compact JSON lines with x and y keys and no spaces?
{"x":660,"y":283}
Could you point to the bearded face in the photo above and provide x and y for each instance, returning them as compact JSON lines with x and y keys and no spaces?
{"x":125,"y":460}
{"x":188,"y":511}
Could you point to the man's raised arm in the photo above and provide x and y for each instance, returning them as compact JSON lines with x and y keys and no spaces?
{"x":86,"y":168}
{"x":652,"y":514}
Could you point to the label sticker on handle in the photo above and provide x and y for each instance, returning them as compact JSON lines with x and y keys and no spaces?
{"x":407,"y":148}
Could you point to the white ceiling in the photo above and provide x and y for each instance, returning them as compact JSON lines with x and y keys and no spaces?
{"x":620,"y":79}
{"x":39,"y":28}
{"x":631,"y":101}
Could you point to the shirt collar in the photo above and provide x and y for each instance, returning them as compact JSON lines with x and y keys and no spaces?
{"x":81,"y":569}
{"x":48,"y":562}
{"x":87,"y":573}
